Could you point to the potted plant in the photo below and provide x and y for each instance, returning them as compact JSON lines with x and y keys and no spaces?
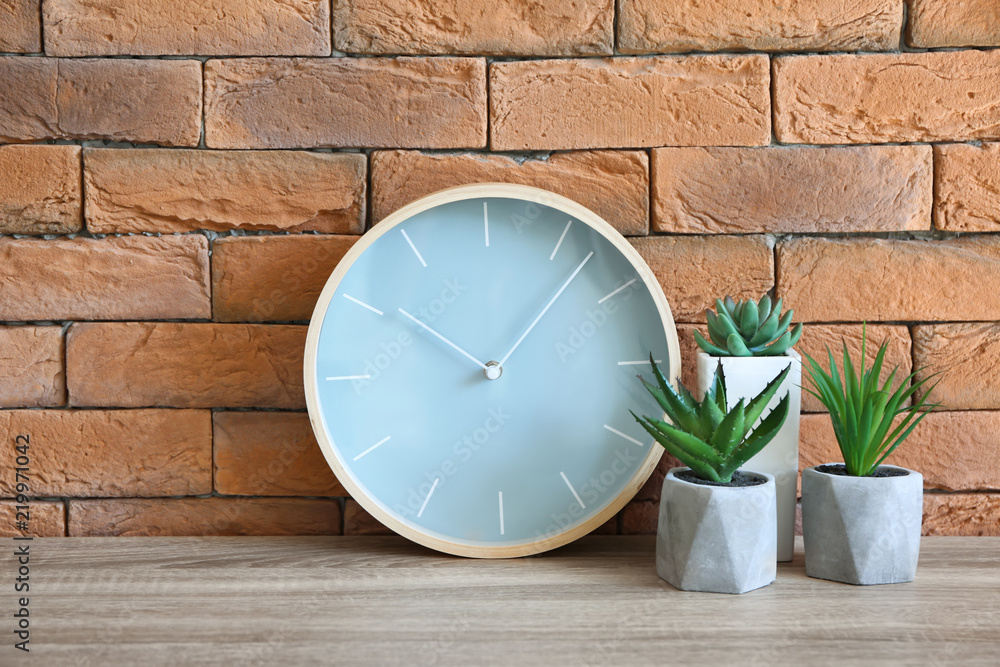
{"x":861,"y":518}
{"x":717,"y":529}
{"x":753,"y":343}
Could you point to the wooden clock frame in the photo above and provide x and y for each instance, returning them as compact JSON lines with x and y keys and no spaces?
{"x":460,"y":193}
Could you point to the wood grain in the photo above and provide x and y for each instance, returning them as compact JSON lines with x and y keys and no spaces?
{"x":386,"y":601}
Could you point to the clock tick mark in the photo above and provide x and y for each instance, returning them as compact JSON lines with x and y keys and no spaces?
{"x":501,"y":512}
{"x":372,"y":448}
{"x":559,"y":243}
{"x":429,"y":494}
{"x":575,"y":494}
{"x":627,"y":437}
{"x":349,"y":377}
{"x":413,"y":247}
{"x":363,"y":304}
{"x":602,"y":300}
{"x":486,"y":224}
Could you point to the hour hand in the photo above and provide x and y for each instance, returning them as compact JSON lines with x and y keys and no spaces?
{"x":445,"y":340}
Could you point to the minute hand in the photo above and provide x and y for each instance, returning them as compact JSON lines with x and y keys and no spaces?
{"x":547,"y":306}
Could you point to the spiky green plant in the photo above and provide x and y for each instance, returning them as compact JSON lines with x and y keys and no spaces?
{"x":748,"y":329}
{"x":703,"y":435}
{"x":863,"y":412}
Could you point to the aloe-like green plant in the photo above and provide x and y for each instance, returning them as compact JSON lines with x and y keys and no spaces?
{"x":863,"y":412}
{"x":748,"y":329}
{"x":703,"y":435}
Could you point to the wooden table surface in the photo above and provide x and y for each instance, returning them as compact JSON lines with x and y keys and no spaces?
{"x":385,"y":601}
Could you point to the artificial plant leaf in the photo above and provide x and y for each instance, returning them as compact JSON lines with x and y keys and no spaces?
{"x":729,"y":433}
{"x":749,"y":319}
{"x":768,"y":329}
{"x":714,"y":332}
{"x":796,"y":333}
{"x":757,"y":405}
{"x":710,"y":348}
{"x":725,"y":322}
{"x":764,"y":307}
{"x":674,"y":407}
{"x":737,"y":347}
{"x":700,"y":468}
{"x":691,"y":444}
{"x":764,"y":433}
{"x":778,"y":347}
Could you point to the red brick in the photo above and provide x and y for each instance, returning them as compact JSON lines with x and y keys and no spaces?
{"x":792,"y":190}
{"x":97,"y":453}
{"x":40,"y":190}
{"x":759,"y":25}
{"x":630,"y":102}
{"x":967,"y":188}
{"x":28,"y":110}
{"x":609,"y":527}
{"x":694,"y":271}
{"x":359,"y":522}
{"x":814,"y":341}
{"x":270,"y":454}
{"x":651,"y":489}
{"x":31,"y":365}
{"x":967,"y":357}
{"x":187,"y":27}
{"x":962,"y":514}
{"x":113,"y":278}
{"x":100,"y":99}
{"x":360,"y":102}
{"x":830,"y":280}
{"x":22,"y":26}
{"x":156,"y":190}
{"x":137,"y":364}
{"x":955,"y":451}
{"x":942,"y":23}
{"x":204,"y":516}
{"x":46,"y":518}
{"x":640,"y":517}
{"x":277,"y":278}
{"x":613,"y":184}
{"x":862,"y":99}
{"x":505,"y":28}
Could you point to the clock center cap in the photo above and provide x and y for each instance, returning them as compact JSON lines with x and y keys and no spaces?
{"x":493,"y":370}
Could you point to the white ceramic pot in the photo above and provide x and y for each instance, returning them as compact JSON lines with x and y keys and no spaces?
{"x":717,"y":539}
{"x":862,"y":530}
{"x":745,"y":378}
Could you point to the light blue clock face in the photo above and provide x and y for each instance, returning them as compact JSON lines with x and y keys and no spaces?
{"x":475,"y":369}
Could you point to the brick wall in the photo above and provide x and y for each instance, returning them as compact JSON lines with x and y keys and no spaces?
{"x":179,"y":177}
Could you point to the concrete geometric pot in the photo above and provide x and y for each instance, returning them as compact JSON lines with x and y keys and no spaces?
{"x":745,"y":378}
{"x":719,"y":539}
{"x":862,"y":530}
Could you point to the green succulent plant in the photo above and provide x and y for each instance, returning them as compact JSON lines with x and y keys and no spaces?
{"x":705,"y":437}
{"x":748,"y":329}
{"x":863,"y":412}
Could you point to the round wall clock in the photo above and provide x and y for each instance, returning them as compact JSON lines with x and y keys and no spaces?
{"x":470,"y":367}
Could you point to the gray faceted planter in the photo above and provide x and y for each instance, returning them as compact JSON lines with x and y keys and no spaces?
{"x":719,"y":539}
{"x":862,"y":530}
